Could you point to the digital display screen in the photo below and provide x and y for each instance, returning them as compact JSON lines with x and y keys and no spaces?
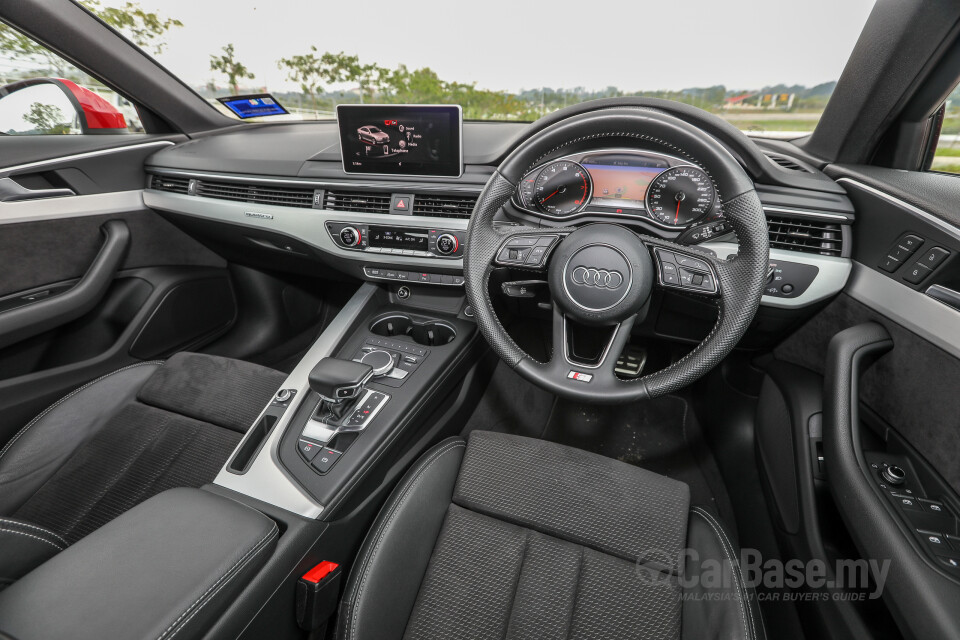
{"x":414,"y":140}
{"x":621,"y":186}
{"x":392,"y":238}
{"x":262,"y":104}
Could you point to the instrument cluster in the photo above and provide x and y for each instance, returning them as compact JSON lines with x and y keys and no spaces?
{"x":669,"y":192}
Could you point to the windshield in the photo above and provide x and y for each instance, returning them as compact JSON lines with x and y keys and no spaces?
{"x":767,"y":67}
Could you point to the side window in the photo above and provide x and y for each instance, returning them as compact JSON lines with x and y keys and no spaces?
{"x":946,"y":158}
{"x":43,"y":94}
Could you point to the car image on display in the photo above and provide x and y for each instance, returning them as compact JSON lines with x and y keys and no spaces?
{"x":496,"y":321}
{"x":372,"y":136}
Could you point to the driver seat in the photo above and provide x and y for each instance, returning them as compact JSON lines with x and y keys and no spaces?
{"x":511,"y":537}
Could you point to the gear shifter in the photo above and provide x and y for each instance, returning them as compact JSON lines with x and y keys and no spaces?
{"x":337,"y":382}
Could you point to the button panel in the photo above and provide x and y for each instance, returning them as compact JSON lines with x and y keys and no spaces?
{"x":348,"y":240}
{"x":913,"y":266}
{"x":526,"y":251}
{"x":682,"y":271}
{"x":422,"y":277}
{"x":932,"y":522}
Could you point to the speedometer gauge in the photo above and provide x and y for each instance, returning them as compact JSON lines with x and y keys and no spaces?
{"x":562,"y":188}
{"x":680,"y":196}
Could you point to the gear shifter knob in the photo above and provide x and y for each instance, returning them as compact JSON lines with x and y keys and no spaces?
{"x":337,"y":380}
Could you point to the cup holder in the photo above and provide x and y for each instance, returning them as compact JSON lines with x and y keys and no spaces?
{"x":392,"y":326}
{"x":430,"y":333}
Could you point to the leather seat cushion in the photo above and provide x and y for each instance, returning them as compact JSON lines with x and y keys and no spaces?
{"x":129,"y":436}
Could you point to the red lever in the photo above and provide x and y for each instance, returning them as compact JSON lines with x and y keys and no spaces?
{"x":320,"y":571}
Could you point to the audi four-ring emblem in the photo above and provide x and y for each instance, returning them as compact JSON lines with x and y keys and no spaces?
{"x":599,"y":278}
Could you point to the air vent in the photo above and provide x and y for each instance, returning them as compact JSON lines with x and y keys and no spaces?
{"x":807,"y":236}
{"x":256,"y":194}
{"x":356,"y":201}
{"x":171,"y":184}
{"x":787,"y":163}
{"x":444,"y":206}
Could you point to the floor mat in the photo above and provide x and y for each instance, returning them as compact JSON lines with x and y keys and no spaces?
{"x":661,"y":435}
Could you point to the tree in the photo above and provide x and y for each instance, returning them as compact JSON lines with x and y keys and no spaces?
{"x":47,"y":118}
{"x":228,"y":65}
{"x":144,"y":28}
{"x":307,"y":71}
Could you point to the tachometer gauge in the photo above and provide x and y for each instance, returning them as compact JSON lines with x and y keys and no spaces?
{"x":680,"y":196}
{"x":562,"y":188}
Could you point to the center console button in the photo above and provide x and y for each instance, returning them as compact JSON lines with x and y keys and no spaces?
{"x":380,"y":360}
{"x":325,"y":459}
{"x":308,"y":449}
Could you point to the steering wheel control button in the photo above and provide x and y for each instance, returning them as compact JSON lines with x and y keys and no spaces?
{"x":894,"y":475}
{"x":529,"y":251}
{"x":692,"y":263}
{"x":685,"y":272}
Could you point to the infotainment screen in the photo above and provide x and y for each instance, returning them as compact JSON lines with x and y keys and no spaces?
{"x":413,"y":140}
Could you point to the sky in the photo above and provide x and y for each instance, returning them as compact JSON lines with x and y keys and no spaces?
{"x":633,"y":45}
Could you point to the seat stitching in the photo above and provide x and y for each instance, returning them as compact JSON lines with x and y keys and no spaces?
{"x":30,"y":535}
{"x":42,"y":530}
{"x":224,"y":579}
{"x":67,"y":397}
{"x":576,"y":593}
{"x":734,"y":565}
{"x":355,"y":601}
{"x":749,"y":604}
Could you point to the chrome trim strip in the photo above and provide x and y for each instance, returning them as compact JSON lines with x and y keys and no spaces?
{"x":71,"y":207}
{"x":944,"y":295}
{"x":943,"y":225}
{"x":80,"y":156}
{"x":266,"y":479}
{"x":916,"y":311}
{"x":308,"y":225}
{"x":832,"y":276}
{"x":805,"y":212}
{"x":394,"y":187}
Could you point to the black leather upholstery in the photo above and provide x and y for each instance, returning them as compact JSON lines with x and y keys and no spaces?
{"x":116,"y":442}
{"x":511,"y":537}
{"x":167,"y":568}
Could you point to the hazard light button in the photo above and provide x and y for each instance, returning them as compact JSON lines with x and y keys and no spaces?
{"x":401,"y":203}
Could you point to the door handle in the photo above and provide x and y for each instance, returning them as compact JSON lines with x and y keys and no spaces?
{"x":48,"y":313}
{"x":942,"y":294}
{"x":12,"y":191}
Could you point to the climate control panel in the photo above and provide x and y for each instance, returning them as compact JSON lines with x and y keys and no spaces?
{"x":396,"y":240}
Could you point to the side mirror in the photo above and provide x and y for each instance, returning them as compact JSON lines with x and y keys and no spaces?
{"x":56,"y":106}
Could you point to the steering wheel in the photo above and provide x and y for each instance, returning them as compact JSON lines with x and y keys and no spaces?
{"x":602,"y":275}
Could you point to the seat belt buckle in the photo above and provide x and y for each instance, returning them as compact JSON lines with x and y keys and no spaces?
{"x":318,"y":593}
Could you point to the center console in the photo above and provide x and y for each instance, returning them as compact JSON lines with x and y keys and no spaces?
{"x":376,"y":377}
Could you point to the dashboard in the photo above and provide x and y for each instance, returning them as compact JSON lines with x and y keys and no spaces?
{"x":279,"y":194}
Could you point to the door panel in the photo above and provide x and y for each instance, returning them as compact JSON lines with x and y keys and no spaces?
{"x":888,"y":358}
{"x":163,"y":292}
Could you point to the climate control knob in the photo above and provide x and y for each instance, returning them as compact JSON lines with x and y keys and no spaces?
{"x":447,"y":243}
{"x":350,"y":236}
